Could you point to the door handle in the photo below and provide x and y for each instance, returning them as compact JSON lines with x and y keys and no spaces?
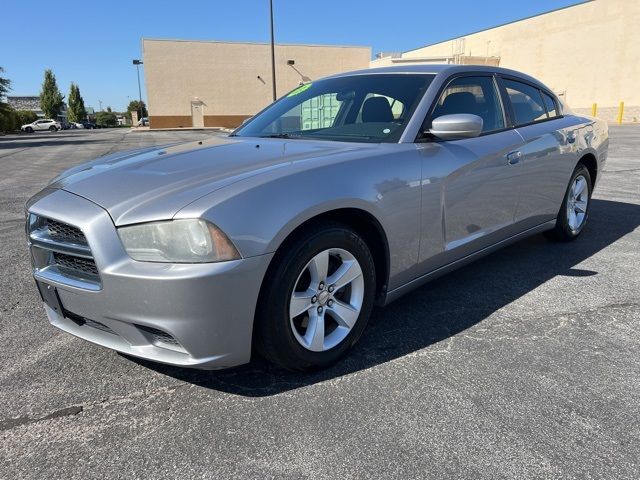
{"x":514,"y":157}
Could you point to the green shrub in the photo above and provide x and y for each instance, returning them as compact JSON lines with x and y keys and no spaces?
{"x":106,"y":119}
{"x":8,"y":120}
{"x":25,"y":116}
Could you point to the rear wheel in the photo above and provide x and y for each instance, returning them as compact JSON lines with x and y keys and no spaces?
{"x":574,"y":212}
{"x":316,"y":301}
{"x":52,"y":128}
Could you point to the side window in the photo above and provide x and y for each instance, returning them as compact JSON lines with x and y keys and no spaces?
{"x":475,"y":95}
{"x":527,"y":103}
{"x":550,"y":103}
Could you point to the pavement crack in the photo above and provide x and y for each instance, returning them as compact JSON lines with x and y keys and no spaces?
{"x":623,"y":171}
{"x":11,"y":307}
{"x":10,"y":423}
{"x":12,"y":220}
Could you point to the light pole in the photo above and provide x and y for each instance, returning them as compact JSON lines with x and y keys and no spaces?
{"x":273,"y":52}
{"x":137,"y":63}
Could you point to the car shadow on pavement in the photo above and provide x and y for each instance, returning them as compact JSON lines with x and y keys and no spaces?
{"x":438,"y":310}
{"x":57,"y":142}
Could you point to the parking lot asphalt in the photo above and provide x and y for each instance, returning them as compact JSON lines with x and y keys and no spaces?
{"x":525,"y":364}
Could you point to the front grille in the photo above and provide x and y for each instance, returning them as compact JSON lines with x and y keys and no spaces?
{"x":63,"y":233}
{"x":62,"y":251}
{"x":76,"y":264}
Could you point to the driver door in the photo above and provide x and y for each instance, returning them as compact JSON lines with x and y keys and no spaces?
{"x":473,"y":182}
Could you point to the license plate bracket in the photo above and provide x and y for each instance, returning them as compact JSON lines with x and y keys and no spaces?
{"x":50,"y":297}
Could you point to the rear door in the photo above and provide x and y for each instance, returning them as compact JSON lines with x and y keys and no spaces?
{"x":471,"y":180}
{"x":547,"y":153}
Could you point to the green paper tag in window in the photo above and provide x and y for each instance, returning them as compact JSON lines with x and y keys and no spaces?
{"x":300,"y":89}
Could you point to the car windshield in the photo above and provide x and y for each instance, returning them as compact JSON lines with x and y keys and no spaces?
{"x":357,"y":108}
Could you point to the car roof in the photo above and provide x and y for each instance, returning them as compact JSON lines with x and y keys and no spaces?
{"x":442,"y":69}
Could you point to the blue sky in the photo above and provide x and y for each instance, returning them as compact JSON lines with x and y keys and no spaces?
{"x":93,"y":42}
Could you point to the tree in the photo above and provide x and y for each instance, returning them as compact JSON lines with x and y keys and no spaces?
{"x":7,"y":116}
{"x":51,"y":100}
{"x":134,"y":106}
{"x":106,"y":119}
{"x":5,"y":85}
{"x":76,"y":111}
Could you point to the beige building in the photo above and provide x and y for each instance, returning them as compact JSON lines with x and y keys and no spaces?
{"x":219,"y":84}
{"x":588,"y":53}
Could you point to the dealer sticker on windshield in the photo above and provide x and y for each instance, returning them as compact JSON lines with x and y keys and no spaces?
{"x":300,"y":89}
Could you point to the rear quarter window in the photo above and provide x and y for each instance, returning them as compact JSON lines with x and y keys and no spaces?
{"x":526,"y":102}
{"x":550,"y":103}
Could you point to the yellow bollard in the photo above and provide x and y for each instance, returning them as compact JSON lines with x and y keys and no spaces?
{"x":620,"y":112}
{"x":594,"y":109}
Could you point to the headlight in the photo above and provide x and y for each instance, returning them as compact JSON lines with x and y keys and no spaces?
{"x":177,"y":241}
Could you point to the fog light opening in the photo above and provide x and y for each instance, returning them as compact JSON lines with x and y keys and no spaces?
{"x":161,"y":339}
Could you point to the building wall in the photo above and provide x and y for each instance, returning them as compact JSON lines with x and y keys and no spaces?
{"x":588,"y":53}
{"x":222,"y":77}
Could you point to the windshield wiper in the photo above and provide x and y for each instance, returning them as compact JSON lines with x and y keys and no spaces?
{"x":278,"y":135}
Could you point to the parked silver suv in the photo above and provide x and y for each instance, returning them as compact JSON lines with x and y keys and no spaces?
{"x":346,"y":192}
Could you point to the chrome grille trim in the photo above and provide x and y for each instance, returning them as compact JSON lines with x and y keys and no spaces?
{"x":37,"y":238}
{"x":53,"y":274}
{"x":61,"y":253}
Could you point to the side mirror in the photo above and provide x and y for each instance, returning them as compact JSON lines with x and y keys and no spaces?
{"x":456,"y":126}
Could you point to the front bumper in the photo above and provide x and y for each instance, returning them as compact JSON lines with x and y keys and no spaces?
{"x":196,"y":315}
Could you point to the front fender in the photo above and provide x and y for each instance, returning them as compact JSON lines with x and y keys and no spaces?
{"x":259,"y":217}
{"x":259,"y":213}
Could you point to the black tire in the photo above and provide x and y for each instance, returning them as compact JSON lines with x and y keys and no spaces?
{"x":52,"y":128}
{"x":563,"y":231}
{"x":28,"y":130}
{"x":273,"y":335}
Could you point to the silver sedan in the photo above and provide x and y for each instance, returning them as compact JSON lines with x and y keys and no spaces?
{"x":280,"y":238}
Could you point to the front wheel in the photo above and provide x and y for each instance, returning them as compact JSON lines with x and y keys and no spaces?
{"x":316,"y":301}
{"x":28,"y":130}
{"x":574,"y":211}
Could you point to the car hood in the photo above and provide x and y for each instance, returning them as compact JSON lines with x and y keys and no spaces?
{"x":155,"y":183}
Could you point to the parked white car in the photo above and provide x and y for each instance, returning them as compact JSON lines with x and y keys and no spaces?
{"x":44,"y":124}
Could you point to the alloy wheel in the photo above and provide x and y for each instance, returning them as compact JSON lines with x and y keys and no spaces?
{"x":577,"y":203}
{"x":326,"y":300}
